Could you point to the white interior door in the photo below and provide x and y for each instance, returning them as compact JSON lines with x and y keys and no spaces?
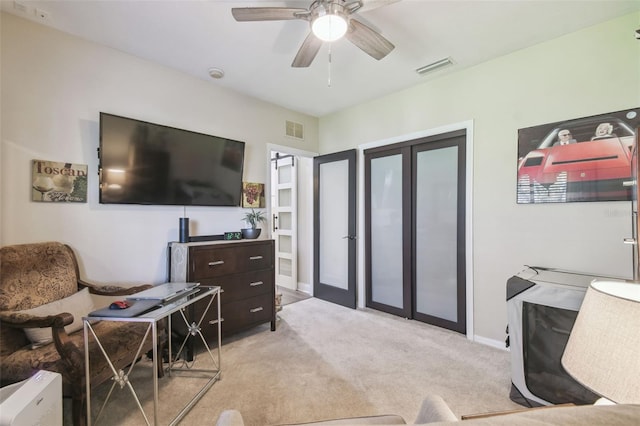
{"x":285,"y":219}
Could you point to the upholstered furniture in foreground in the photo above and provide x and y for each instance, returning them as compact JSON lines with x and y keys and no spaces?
{"x":435,"y":411}
{"x":42,"y":302}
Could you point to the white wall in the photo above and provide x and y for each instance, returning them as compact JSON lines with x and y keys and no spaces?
{"x":53,"y":87}
{"x":305,"y":224}
{"x":593,"y":71}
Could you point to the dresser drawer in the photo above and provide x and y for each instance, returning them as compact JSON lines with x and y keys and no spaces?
{"x":255,"y":257}
{"x":236,"y":315}
{"x":205,"y":262}
{"x":247,"y":312}
{"x":242,"y":286}
{"x":208,"y":262}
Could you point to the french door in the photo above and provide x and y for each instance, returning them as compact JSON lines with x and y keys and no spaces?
{"x":415,"y":233}
{"x":334,"y":233}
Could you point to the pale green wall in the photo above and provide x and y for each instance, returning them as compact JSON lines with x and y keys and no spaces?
{"x":589,"y":72}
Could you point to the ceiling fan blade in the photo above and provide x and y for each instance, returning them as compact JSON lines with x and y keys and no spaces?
{"x":370,"y":41}
{"x":307,"y":52}
{"x":242,"y":14}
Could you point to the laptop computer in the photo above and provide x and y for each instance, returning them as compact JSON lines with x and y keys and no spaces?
{"x":136,"y":307}
{"x":163,"y":293}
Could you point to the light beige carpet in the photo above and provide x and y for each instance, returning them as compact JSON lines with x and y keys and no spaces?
{"x":326,"y":361}
{"x":291,"y":296}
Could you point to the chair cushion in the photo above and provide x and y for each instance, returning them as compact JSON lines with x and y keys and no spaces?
{"x":79,"y":305}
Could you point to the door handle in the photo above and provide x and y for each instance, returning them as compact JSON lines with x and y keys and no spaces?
{"x":351,"y":237}
{"x":274,"y":222}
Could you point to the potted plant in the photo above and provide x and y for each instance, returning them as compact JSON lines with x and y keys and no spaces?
{"x":253,"y":218}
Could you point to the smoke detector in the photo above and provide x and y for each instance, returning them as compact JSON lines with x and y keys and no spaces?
{"x":216,"y":73}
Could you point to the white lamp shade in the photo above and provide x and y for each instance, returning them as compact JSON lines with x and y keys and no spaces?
{"x":603,"y":351}
{"x":329,"y":27}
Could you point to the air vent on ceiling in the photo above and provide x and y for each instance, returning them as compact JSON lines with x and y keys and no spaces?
{"x":434,"y":66}
{"x":294,"y":130}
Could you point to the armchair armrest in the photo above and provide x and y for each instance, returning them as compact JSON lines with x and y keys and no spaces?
{"x":230,"y":418}
{"x":69,"y":353}
{"x":20,"y":320}
{"x":434,"y":409}
{"x":112,"y":290}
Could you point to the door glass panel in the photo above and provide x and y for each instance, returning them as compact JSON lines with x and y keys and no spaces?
{"x":284,"y":174}
{"x":285,"y":266}
{"x":334,"y":209}
{"x":284,"y":197}
{"x":284,"y":243}
{"x":436,"y":209}
{"x":284,"y":221}
{"x":386,"y":230}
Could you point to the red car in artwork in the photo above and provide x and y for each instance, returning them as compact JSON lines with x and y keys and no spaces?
{"x":579,"y":160}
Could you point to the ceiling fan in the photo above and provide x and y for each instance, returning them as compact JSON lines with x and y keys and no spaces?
{"x":329,"y":20}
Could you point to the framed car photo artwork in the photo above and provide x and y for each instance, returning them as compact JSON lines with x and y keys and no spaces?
{"x":582,"y":159}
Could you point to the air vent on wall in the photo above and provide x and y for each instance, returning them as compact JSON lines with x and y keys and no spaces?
{"x":294,"y":130}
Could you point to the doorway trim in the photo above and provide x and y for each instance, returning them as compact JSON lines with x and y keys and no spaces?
{"x":303,"y":185}
{"x":464,"y":125}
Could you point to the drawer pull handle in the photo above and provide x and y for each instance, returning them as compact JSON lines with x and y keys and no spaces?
{"x":254,"y":310}
{"x":255,"y":257}
{"x":214,"y":322}
{"x":216,"y":263}
{"x":257,"y":283}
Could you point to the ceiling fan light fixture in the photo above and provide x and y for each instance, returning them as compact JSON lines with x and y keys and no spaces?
{"x":329,"y":27}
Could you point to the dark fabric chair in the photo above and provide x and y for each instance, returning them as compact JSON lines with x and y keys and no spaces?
{"x":45,"y":277}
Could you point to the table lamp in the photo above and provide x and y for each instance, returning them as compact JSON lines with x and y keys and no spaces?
{"x":603,"y":351}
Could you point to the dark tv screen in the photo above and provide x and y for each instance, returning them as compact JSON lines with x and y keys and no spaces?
{"x":146,"y":163}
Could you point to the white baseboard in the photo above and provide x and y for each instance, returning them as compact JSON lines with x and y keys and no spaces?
{"x":305,"y":287}
{"x":498,"y":344}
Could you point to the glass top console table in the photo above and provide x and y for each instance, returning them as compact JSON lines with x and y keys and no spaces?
{"x":120,"y":378}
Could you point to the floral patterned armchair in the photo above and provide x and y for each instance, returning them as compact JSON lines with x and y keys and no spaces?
{"x":42,"y":301}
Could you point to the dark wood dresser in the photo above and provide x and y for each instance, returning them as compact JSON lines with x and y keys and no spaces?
{"x":245,"y":272}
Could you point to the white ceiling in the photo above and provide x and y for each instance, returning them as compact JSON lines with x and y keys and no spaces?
{"x":193,"y":36}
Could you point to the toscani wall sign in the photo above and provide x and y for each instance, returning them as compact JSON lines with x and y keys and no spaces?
{"x":58,"y":182}
{"x":583,"y":159}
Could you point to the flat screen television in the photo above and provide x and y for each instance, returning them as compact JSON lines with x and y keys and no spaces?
{"x":146,"y":163}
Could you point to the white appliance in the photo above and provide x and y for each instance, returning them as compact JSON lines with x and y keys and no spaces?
{"x":33,"y":402}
